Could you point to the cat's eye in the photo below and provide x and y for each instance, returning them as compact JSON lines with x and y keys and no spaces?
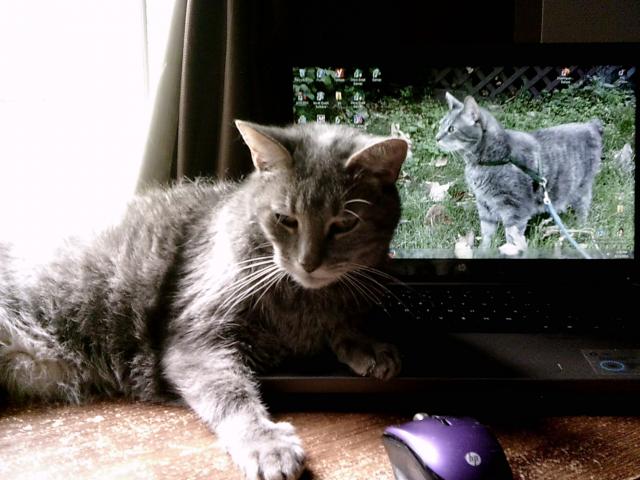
{"x":286,"y":220}
{"x":451,"y":129}
{"x":343,"y":225}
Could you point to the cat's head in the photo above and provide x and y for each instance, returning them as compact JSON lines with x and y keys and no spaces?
{"x":462,"y":127}
{"x":325,"y":197}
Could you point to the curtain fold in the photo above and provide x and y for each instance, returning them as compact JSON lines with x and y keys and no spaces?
{"x":227,"y":52}
{"x":159,"y":151}
{"x":202,"y":92}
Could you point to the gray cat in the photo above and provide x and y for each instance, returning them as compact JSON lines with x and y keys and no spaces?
{"x":568,"y":156}
{"x":202,"y":285}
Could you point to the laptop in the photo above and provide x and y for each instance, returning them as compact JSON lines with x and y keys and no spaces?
{"x":555,"y":326}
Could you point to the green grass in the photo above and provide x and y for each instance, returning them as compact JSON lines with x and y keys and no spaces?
{"x":418,"y":115}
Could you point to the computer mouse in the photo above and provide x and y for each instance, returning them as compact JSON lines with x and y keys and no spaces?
{"x":445,"y":448}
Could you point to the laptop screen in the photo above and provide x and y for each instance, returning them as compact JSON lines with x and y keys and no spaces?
{"x":487,"y":145}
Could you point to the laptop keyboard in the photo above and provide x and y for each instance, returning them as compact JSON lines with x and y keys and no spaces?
{"x":499,"y":309}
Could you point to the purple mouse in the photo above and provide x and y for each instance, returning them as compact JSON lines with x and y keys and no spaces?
{"x":445,"y":448}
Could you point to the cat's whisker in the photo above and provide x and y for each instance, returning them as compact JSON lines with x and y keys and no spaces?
{"x":380,"y":285}
{"x":344,"y":282}
{"x":257,"y":264}
{"x":358,"y":200}
{"x":261,"y":285}
{"x":380,"y":273}
{"x":262,"y":245}
{"x":251,"y":289}
{"x":360,"y":287}
{"x":265,"y":257}
{"x":374,"y":286}
{"x":385,"y":290}
{"x":366,"y":271}
{"x":354,"y":214}
{"x":349,"y":281}
{"x":271,"y":285}
{"x":241,"y":284}
{"x":246,"y":279}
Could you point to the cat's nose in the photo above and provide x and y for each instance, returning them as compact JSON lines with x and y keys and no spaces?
{"x":309,"y":265}
{"x":309,"y":259}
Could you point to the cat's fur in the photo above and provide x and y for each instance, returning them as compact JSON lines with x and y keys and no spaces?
{"x":569,"y":157}
{"x":202,"y":285}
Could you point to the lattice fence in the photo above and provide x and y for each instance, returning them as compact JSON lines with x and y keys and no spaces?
{"x":493,"y":81}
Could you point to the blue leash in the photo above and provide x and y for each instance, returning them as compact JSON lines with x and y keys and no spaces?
{"x":556,"y":218}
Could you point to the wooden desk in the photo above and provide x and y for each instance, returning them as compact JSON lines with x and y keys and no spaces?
{"x":119,"y":440}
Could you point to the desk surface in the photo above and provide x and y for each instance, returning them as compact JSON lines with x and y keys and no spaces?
{"x":119,"y":440}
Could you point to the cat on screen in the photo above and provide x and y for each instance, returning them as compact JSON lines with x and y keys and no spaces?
{"x":567,"y":155}
{"x":203,"y":285}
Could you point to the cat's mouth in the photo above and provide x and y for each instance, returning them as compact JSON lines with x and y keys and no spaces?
{"x":446,"y":147}
{"x":314,"y":280}
{"x":318,"y":278}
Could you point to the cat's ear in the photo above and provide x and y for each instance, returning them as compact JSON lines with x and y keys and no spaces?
{"x":452,"y":101}
{"x":471,"y":109}
{"x":382,"y":159}
{"x":266,"y":152}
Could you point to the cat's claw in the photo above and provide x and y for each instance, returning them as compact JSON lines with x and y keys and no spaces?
{"x":272,"y":452}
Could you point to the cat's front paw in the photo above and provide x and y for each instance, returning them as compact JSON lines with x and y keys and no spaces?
{"x":510,"y":250}
{"x":269,"y":451}
{"x":371,"y":359}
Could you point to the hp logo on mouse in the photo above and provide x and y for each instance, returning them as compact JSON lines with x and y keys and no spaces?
{"x":473,"y":459}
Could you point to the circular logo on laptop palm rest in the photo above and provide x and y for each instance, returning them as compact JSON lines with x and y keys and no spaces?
{"x":614,"y":362}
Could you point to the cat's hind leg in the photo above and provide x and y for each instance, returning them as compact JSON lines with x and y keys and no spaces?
{"x":32,"y":364}
{"x":582,"y":204}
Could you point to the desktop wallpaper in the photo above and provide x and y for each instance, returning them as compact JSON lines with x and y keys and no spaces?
{"x":440,"y":217}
